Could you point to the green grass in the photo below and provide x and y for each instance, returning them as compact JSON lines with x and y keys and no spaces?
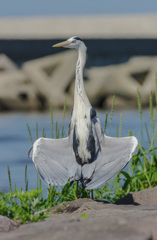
{"x":142,"y":173}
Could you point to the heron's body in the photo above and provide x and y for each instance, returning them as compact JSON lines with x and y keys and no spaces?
{"x":83,"y":139}
{"x":86,"y":154}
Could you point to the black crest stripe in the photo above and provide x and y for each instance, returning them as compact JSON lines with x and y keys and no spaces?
{"x":77,"y":38}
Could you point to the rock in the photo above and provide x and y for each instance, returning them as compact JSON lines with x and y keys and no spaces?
{"x":52,"y":76}
{"x":50,"y":79}
{"x":39,"y":83}
{"x":147,"y":196}
{"x":89,"y":219}
{"x":122,"y":80}
{"x":17,"y":92}
{"x":6,"y":64}
{"x":119,"y":102}
{"x":71,"y":206}
{"x":7,"y":224}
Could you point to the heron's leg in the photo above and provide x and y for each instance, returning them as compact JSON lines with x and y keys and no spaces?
{"x":92,"y":195}
{"x":77,"y":190}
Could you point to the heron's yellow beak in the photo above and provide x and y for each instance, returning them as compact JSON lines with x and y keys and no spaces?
{"x":62,"y":44}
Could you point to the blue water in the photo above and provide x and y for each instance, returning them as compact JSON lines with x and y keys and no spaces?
{"x":70,"y":7}
{"x":15,"y":141}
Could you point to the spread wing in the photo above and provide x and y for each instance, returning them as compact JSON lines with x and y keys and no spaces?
{"x":54,"y":160}
{"x":113,"y":156}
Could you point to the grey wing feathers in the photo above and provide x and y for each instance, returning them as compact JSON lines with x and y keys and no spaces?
{"x":53,"y":159}
{"x":113,"y":156}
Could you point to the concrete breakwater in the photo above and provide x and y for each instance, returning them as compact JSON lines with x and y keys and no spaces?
{"x":50,"y":79}
{"x":121,"y":59}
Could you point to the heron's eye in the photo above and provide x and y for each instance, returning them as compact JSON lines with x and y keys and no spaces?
{"x":74,"y":41}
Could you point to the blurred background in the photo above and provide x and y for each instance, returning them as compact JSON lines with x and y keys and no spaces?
{"x":121,"y":37}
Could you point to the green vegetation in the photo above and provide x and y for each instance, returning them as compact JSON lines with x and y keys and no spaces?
{"x":27,"y":205}
{"x":84,"y":215}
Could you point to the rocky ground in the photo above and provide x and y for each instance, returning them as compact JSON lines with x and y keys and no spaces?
{"x":133,"y":217}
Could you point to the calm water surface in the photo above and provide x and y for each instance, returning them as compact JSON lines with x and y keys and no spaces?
{"x":15,"y":141}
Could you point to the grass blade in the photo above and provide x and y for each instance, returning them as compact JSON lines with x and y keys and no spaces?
{"x":9,"y":176}
{"x":112,"y":110}
{"x":120,"y":126}
{"x":57,"y":131}
{"x":29,"y":131}
{"x":64,"y":110}
{"x":156,"y":88}
{"x":105,"y":125}
{"x":26,"y":180}
{"x":152,"y":116}
{"x":43,"y":133}
{"x":151,"y":108}
{"x":36,"y":130}
{"x":51,"y":111}
{"x":140,"y":114}
{"x":147,"y":133}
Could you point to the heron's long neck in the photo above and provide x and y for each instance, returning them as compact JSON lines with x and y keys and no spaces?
{"x":80,"y":93}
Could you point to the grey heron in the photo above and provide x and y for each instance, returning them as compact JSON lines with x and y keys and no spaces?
{"x":86,"y":155}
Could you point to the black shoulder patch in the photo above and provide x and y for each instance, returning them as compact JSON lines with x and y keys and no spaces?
{"x":91,"y":147}
{"x":77,"y":38}
{"x":92,"y":113}
{"x":76,"y":144}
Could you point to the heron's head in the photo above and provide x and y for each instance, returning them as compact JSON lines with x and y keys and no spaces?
{"x":73,"y":42}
